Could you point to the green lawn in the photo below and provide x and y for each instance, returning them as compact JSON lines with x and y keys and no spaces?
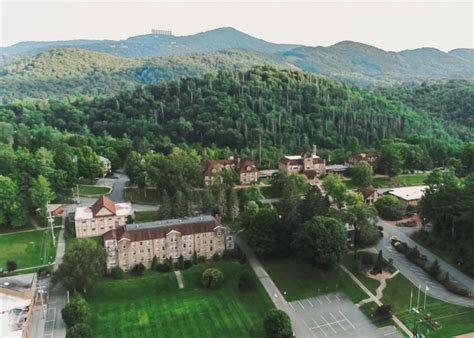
{"x":301,"y":281}
{"x":153,"y":306}
{"x":455,"y":320}
{"x":146,"y":216}
{"x":147,"y":196}
{"x":28,"y":249}
{"x":385,"y":182}
{"x":369,"y":283}
{"x":92,"y":190}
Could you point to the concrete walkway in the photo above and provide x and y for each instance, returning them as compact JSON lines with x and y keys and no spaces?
{"x":374,"y":299}
{"x":380,"y":288}
{"x":179,"y":279}
{"x":299,"y":329}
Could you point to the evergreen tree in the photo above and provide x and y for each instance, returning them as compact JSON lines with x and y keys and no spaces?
{"x":232,"y":204}
{"x":166,"y":209}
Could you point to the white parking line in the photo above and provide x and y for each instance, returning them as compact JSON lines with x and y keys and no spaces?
{"x":329,"y":299}
{"x":291,"y":305}
{"x":318,"y":327}
{"x":301,"y":305}
{"x":328,"y":323}
{"x":314,"y":335}
{"x":333,"y":317}
{"x":319,"y":300}
{"x":390,"y":333}
{"x":346,"y":319}
{"x":337,"y":297}
{"x":310,"y":303}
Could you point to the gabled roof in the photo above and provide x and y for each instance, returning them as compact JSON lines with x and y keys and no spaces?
{"x":235,"y":163}
{"x":367,"y":191}
{"x":298,"y":159}
{"x":103,"y":202}
{"x":247,"y":167}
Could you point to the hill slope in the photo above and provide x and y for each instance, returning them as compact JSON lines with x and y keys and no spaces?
{"x":159,"y":45}
{"x":67,"y":71}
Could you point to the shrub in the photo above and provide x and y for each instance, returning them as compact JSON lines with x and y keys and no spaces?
{"x":413,"y":254}
{"x":434,"y":269}
{"x":388,"y":207}
{"x":216,"y":257}
{"x":138,"y":270}
{"x":212,"y":278}
{"x":226,"y":255}
{"x":278,"y":324}
{"x":81,"y":330}
{"x":383,"y":312}
{"x":117,"y":273}
{"x":457,"y":289}
{"x":187,"y":264}
{"x":154,"y":263}
{"x":11,"y":265}
{"x":163,"y":267}
{"x":76,"y":311}
{"x":201,"y":259}
{"x":246,"y":281}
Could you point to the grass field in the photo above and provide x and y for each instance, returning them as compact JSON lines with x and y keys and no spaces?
{"x":301,"y":281}
{"x":146,"y":216}
{"x":455,"y":320}
{"x":27,"y":249}
{"x":136,"y":195}
{"x":369,"y":283}
{"x":92,"y":190}
{"x":153,"y":306}
{"x":385,"y":182}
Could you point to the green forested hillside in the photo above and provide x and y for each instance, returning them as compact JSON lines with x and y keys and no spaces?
{"x":281,"y":109}
{"x":451,"y":101}
{"x":68,"y":71}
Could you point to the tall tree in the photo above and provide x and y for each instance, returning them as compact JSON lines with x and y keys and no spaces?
{"x":335,"y":187}
{"x":362,"y":173}
{"x":83,"y":264}
{"x":390,"y":161}
{"x":41,"y":194}
{"x":321,"y":241}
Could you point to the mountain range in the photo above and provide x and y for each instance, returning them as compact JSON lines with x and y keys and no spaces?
{"x":92,"y":67}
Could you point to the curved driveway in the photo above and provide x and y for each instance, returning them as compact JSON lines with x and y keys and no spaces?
{"x":417,"y":275}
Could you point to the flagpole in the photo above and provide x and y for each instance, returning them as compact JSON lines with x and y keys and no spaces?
{"x":426,"y":289}
{"x":418,"y":301}
{"x":411,"y":298}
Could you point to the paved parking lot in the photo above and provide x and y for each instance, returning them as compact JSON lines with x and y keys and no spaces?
{"x":334,"y":315}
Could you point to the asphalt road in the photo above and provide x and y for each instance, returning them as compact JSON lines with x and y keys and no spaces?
{"x":417,"y":275}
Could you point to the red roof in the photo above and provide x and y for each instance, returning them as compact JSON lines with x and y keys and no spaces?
{"x":150,"y":233}
{"x":237,"y":164}
{"x":103,"y":202}
{"x":367,"y":191}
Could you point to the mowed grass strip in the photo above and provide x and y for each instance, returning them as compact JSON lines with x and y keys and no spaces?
{"x":297,"y":280}
{"x":144,"y":196}
{"x":92,"y":190}
{"x":153,"y":306}
{"x":28,"y":249}
{"x":386,"y":182}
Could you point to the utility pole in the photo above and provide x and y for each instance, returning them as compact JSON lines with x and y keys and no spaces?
{"x":51,"y":222}
{"x":418,"y":301}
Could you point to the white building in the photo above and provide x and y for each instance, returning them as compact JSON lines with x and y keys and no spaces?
{"x":102,"y":216}
{"x":408,"y":195}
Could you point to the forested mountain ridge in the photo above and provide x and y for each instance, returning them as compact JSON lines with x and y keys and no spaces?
{"x":88,"y":67}
{"x":283,"y":109}
{"x":363,"y":64}
{"x":68,"y":71}
{"x":452,"y":102}
{"x":158,"y":45}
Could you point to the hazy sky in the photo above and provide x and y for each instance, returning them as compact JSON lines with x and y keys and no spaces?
{"x":388,"y":25}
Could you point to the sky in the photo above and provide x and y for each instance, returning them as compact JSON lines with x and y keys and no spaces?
{"x":391,"y":26}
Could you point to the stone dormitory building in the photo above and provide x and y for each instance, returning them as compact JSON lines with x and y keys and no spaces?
{"x":132,"y":244}
{"x":308,"y":164}
{"x":102,"y":216}
{"x":246,"y":169}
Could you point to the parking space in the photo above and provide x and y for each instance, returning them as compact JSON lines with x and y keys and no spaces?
{"x":334,"y":315}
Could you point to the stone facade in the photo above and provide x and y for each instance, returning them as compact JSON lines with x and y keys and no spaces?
{"x":369,"y":158}
{"x":246,"y":170}
{"x":102,"y":216}
{"x":308,"y":164}
{"x":168,"y":239}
